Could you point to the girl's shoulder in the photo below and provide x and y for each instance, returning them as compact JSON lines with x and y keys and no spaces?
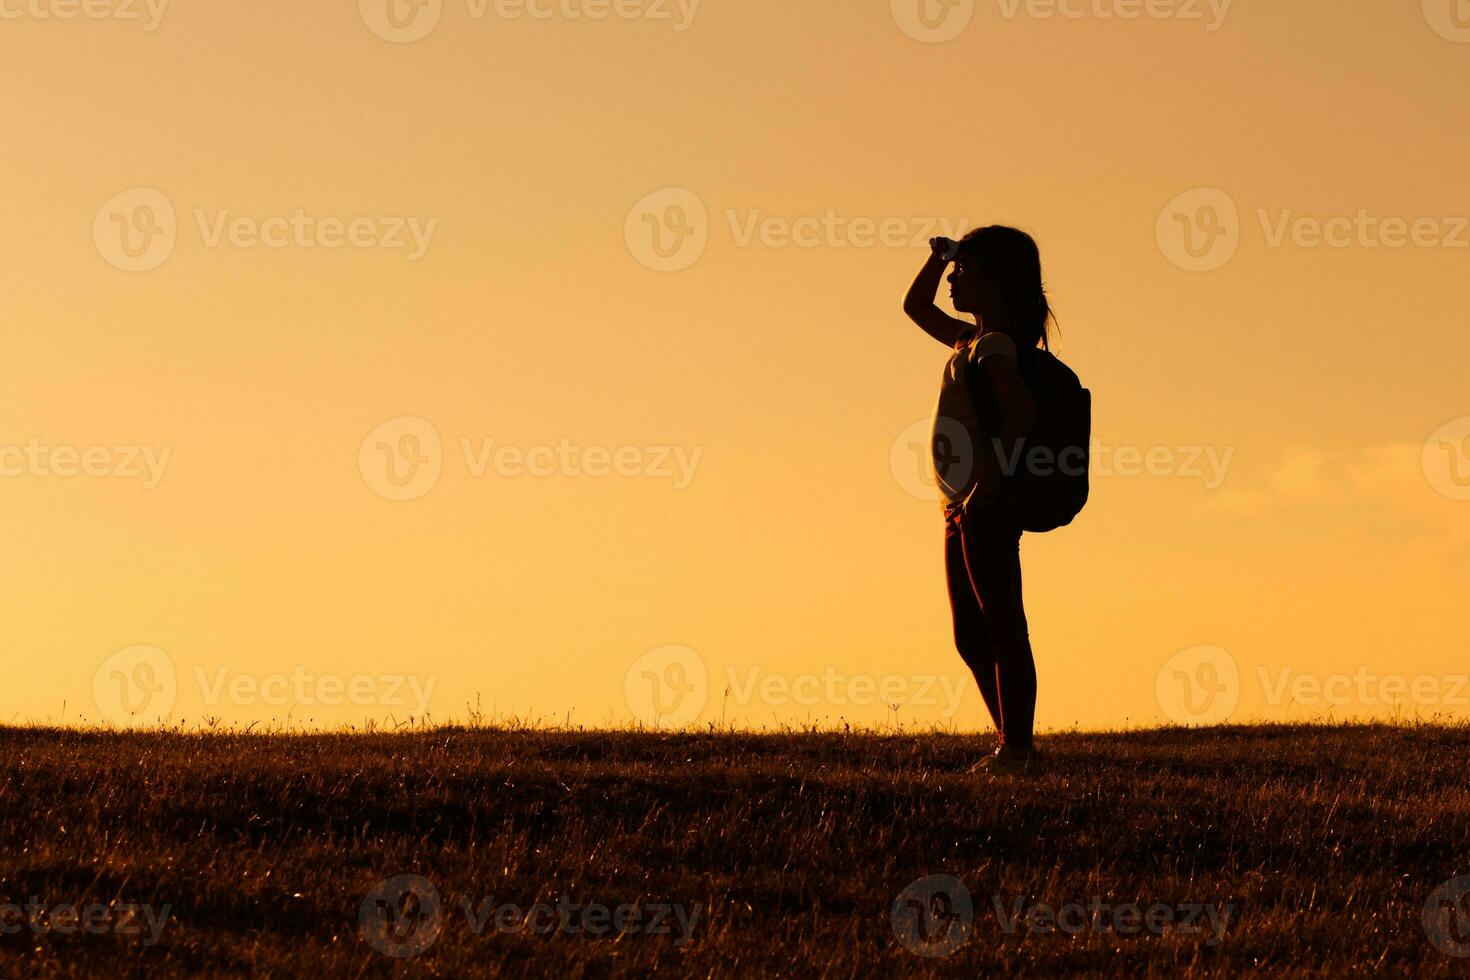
{"x":990,"y":344}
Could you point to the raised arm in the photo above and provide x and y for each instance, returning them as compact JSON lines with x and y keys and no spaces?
{"x":919,"y":303}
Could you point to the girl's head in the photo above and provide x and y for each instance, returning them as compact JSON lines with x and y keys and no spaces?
{"x":997,"y":276}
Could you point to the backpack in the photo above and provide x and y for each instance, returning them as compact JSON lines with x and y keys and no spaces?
{"x":1046,"y":477}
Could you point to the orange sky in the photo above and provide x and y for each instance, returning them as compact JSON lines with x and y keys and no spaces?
{"x":694,"y":451}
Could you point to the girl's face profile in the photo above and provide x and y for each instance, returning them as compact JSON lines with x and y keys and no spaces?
{"x":964,"y":287}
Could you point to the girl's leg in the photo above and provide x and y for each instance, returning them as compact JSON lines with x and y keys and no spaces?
{"x":971,"y":635}
{"x":992,"y":557}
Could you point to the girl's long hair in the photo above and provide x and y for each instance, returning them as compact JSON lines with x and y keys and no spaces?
{"x":1008,"y":257}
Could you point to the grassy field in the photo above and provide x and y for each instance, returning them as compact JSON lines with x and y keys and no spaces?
{"x":1287,"y":849}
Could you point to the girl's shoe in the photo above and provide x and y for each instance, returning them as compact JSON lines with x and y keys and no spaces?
{"x":1006,"y":761}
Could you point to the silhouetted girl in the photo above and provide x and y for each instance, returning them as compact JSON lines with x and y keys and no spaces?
{"x":985,"y":405}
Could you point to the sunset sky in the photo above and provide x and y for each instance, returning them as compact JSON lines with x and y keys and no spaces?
{"x":704,"y":442}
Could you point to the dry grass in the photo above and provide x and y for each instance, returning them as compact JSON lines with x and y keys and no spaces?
{"x":1323,"y":843}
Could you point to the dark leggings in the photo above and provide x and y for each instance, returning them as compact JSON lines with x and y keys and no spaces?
{"x":982,"y":560}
